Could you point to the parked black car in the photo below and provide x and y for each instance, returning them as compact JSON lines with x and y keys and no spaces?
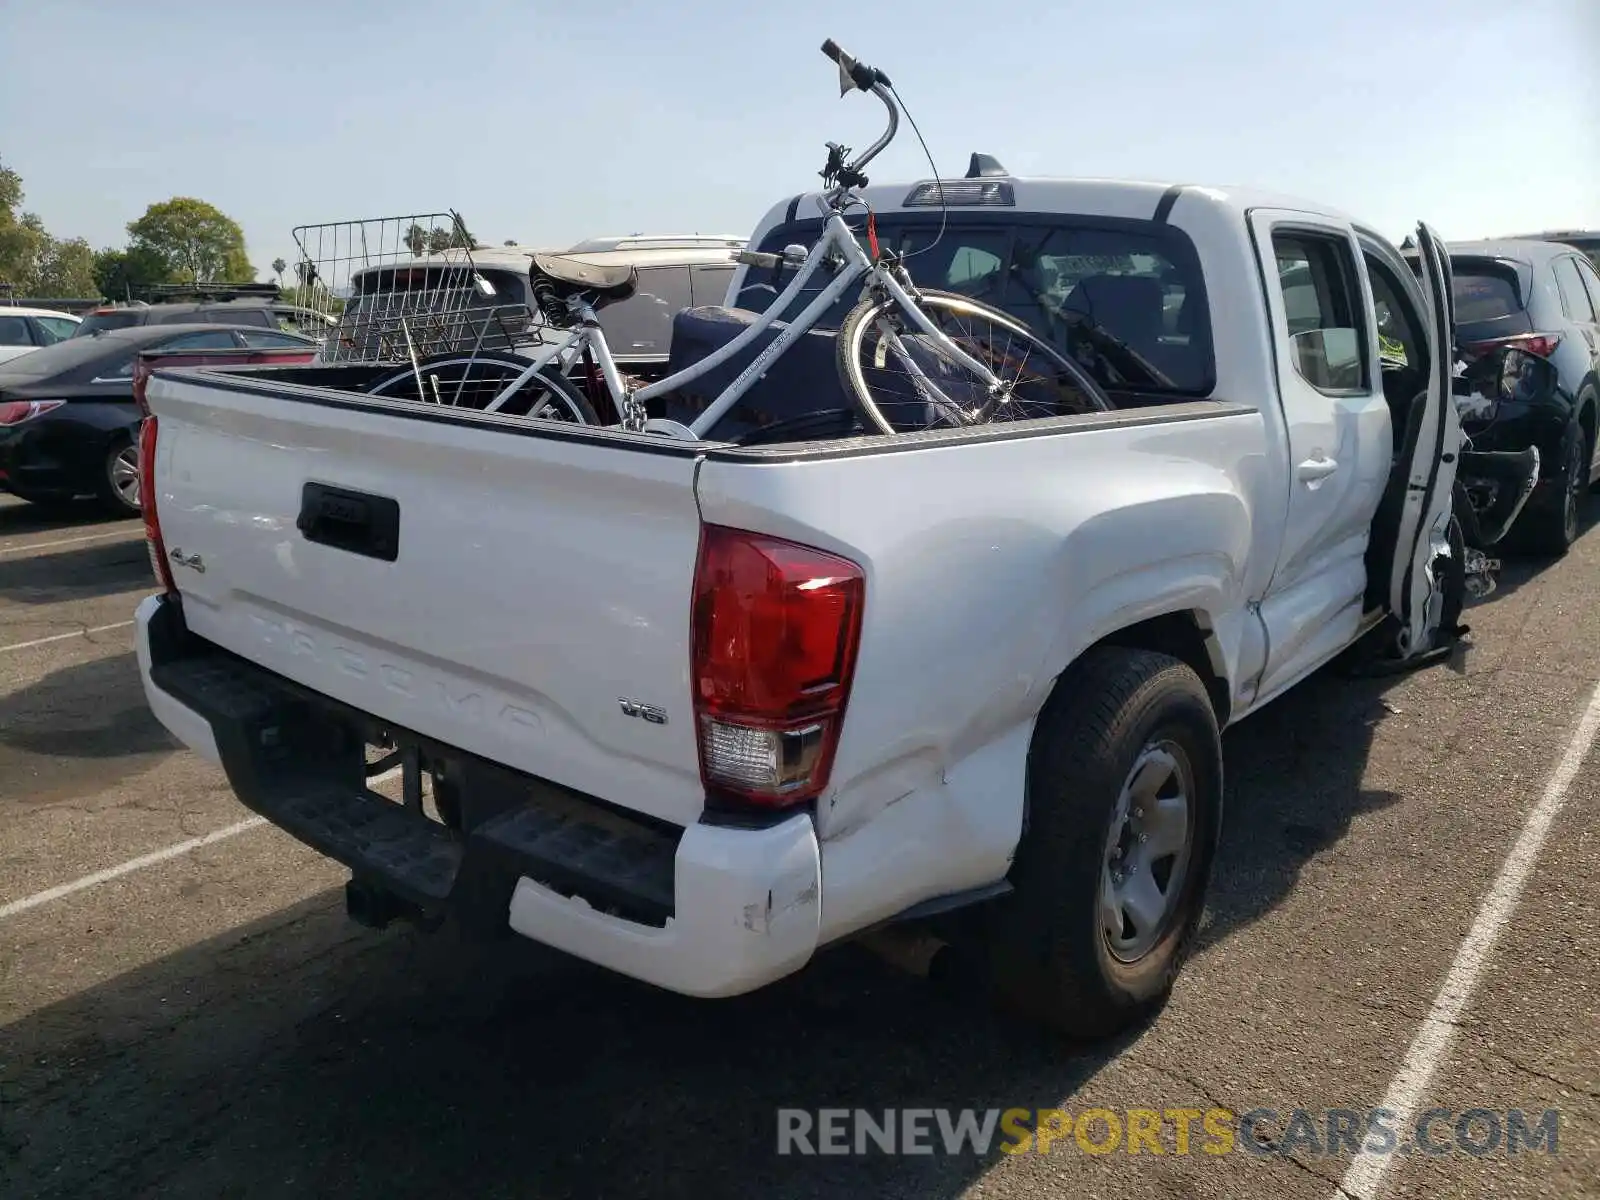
{"x":224,"y":308}
{"x":1543,"y":298}
{"x":68,"y":421}
{"x":1587,"y":240}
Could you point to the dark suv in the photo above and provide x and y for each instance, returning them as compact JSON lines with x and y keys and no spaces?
{"x":1543,"y":298}
{"x":1587,"y":240}
{"x":267,"y":314}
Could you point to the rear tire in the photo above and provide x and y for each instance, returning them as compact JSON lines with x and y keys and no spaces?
{"x":1062,"y":949}
{"x":549,"y":395}
{"x":1551,"y":528}
{"x":1056,"y":386}
{"x":118,"y":488}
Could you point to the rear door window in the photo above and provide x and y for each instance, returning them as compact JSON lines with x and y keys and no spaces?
{"x":1574,"y":298}
{"x":14,"y":331}
{"x":55,"y":329}
{"x":1591,"y":279}
{"x":1326,"y":319}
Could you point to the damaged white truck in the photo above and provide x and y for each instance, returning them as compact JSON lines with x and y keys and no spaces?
{"x":696,"y":709}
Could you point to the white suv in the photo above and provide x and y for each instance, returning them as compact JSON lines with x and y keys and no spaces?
{"x":25,"y":329}
{"x":676,"y":271}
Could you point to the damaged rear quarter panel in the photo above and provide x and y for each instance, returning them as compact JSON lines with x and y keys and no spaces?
{"x":991,"y":564}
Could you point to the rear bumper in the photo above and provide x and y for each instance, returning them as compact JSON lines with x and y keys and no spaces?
{"x":705,"y":911}
{"x":31,"y":464}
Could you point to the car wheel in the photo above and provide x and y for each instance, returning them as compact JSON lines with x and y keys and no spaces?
{"x":119,"y":482}
{"x":1124,"y":807}
{"x":1553,"y":526}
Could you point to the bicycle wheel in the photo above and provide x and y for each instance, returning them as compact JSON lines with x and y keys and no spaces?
{"x":903,"y":381}
{"x":474,"y":380}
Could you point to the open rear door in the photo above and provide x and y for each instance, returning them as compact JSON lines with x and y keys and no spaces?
{"x":1418,"y":574}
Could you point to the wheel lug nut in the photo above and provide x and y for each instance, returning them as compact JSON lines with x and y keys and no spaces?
{"x":1144,"y":837}
{"x":1138,"y":812}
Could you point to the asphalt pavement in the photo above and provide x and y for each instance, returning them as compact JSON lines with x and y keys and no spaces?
{"x":186,"y":1011}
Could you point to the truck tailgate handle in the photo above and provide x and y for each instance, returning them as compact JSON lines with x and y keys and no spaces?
{"x":355,"y":522}
{"x":1315,"y":470}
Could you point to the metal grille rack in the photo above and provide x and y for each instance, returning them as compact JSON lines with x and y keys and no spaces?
{"x":401,"y":288}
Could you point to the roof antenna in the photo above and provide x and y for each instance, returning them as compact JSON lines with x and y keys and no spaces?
{"x":984,"y":166}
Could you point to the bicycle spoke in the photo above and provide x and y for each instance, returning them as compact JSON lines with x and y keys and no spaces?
{"x":985,"y":366}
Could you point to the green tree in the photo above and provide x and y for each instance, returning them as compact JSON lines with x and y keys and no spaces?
{"x":67,"y":270}
{"x":197,"y":242}
{"x":122,"y":274}
{"x":24,"y":242}
{"x":422,"y":241}
{"x":278,"y":268}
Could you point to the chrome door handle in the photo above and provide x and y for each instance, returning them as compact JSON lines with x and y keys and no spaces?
{"x":1315,"y":470}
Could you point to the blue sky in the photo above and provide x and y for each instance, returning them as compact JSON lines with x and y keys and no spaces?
{"x":550,"y":123}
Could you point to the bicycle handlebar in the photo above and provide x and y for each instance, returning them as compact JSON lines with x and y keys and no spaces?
{"x":866,"y":79}
{"x":862,"y":76}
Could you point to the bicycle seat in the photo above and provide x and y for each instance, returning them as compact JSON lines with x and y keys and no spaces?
{"x":570,"y":276}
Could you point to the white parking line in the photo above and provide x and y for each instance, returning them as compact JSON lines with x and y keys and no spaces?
{"x":1432,"y":1043}
{"x":61,"y":637}
{"x":71,"y":541}
{"x":149,"y":860}
{"x":127,"y":868}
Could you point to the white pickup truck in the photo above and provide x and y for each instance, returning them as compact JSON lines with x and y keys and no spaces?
{"x":693,"y":710}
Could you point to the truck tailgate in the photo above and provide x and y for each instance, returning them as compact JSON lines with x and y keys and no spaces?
{"x":530,"y":604}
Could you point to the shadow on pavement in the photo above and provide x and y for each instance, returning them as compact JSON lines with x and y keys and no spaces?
{"x":1295,"y":772}
{"x":81,"y":573}
{"x":303,"y":1053}
{"x":295,"y":1057}
{"x":19,"y":517}
{"x":77,"y":730}
{"x":1519,"y":567}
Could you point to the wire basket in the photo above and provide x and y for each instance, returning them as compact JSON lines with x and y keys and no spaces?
{"x":397,"y":289}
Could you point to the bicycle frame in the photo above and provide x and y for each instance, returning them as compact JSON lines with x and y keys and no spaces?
{"x":837,"y":239}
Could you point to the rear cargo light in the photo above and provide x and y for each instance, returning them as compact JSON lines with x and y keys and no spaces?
{"x":1542,"y":344}
{"x":15,"y":412}
{"x":147,"y":503}
{"x":775,"y":625}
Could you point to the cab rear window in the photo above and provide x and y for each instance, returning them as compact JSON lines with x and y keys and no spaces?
{"x":1125,"y":298}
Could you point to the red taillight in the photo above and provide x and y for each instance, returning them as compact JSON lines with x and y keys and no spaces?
{"x":775,"y":631}
{"x":1542,"y":344}
{"x":147,"y":502}
{"x":15,"y":412}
